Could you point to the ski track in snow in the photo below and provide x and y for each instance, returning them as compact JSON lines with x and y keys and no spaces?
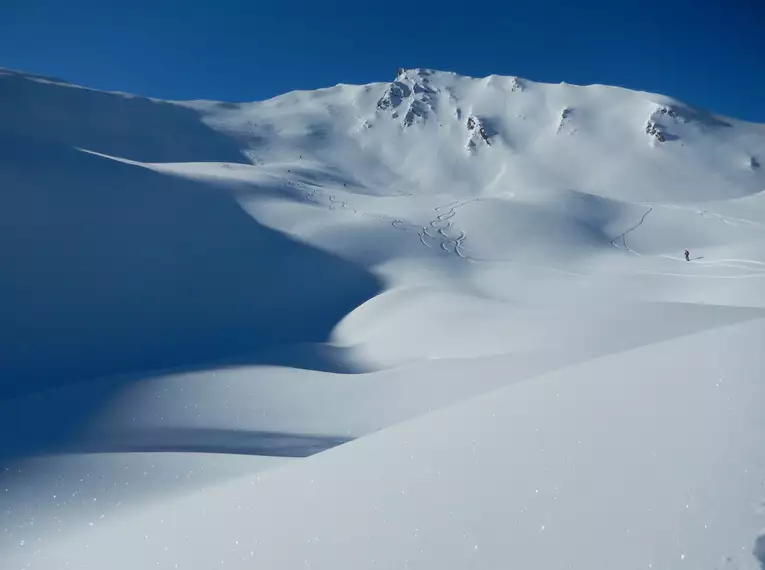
{"x":623,"y":236}
{"x":453,"y":244}
{"x":753,"y":267}
{"x":705,"y":213}
{"x":700,"y":276}
{"x":442,"y":223}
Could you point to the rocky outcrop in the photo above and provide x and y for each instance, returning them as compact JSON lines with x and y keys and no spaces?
{"x":564,"y":114}
{"x":657,"y":124}
{"x":418,"y":110}
{"x":394,"y":95}
{"x":478,"y":133}
{"x":668,"y":116}
{"x":653,"y":129}
{"x":411,"y":91}
{"x":669,"y":112}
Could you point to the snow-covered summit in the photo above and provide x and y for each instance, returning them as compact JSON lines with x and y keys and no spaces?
{"x":420,"y":130}
{"x":592,"y":138}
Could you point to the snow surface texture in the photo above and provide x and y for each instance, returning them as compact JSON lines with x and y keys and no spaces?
{"x":436,"y":323}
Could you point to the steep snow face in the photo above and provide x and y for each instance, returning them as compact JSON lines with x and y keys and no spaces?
{"x":199,"y":295}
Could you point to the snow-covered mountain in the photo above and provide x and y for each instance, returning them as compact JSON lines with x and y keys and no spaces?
{"x":465,"y":299}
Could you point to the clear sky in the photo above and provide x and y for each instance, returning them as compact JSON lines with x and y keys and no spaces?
{"x":705,"y":52}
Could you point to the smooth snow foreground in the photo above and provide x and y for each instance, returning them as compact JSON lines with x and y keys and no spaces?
{"x":436,"y":323}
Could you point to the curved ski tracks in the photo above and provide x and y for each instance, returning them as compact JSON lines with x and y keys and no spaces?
{"x":436,"y":234}
{"x":623,"y":236}
{"x":440,"y":233}
{"x":752,"y":267}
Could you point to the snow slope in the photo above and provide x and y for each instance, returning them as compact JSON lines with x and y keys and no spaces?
{"x":623,"y":461}
{"x":441,"y":322}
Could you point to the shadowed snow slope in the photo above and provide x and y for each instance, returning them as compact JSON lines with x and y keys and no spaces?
{"x":474,"y":290}
{"x":122,"y":125}
{"x":114,"y":268}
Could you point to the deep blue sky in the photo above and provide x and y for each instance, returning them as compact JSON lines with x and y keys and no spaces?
{"x":706,"y":52}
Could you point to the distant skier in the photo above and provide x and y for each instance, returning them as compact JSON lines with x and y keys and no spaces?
{"x":687,"y":255}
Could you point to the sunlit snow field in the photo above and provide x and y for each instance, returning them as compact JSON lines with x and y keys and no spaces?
{"x":438,"y":323}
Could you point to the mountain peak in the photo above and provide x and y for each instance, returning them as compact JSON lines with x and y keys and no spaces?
{"x":432,"y":128}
